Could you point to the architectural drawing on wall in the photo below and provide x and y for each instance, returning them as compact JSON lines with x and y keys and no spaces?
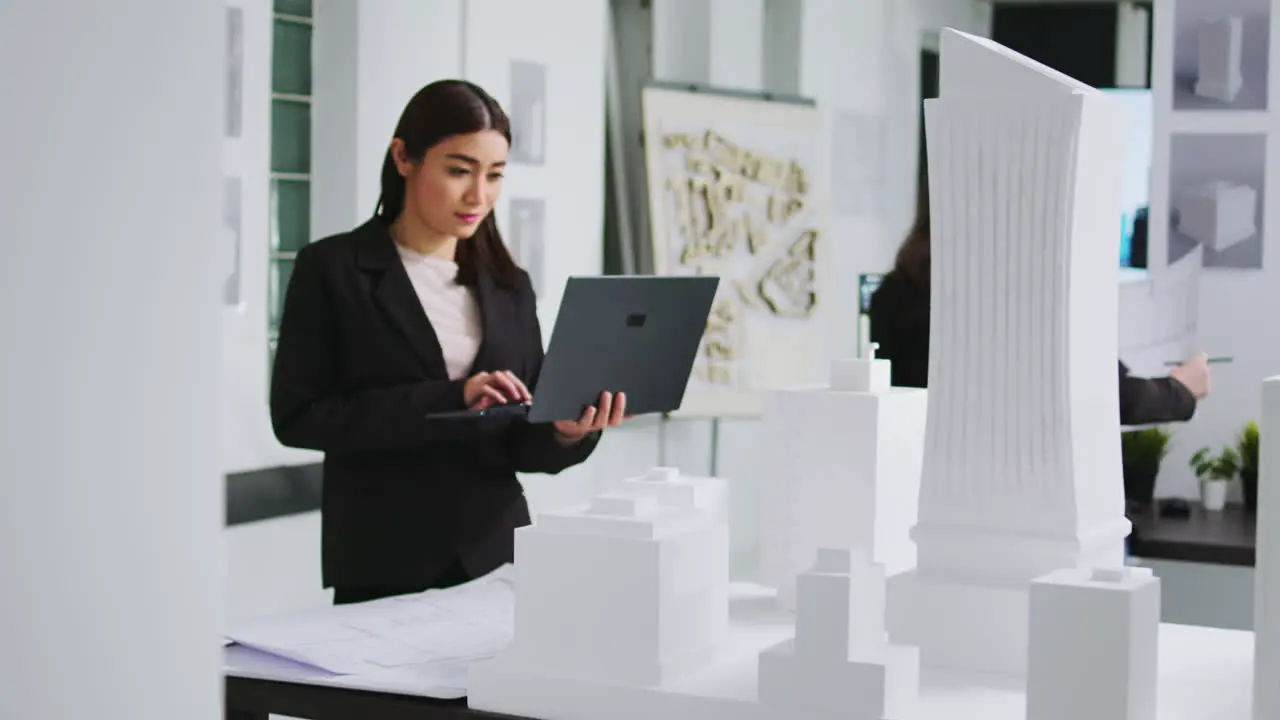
{"x":232,"y":224}
{"x":235,"y":73}
{"x":525,"y":237}
{"x":1216,"y":188}
{"x":1221,"y":54}
{"x":1022,"y":463}
{"x":528,"y":112}
{"x":1159,"y":313}
{"x":737,"y":189}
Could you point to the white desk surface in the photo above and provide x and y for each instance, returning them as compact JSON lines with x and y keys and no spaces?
{"x":1205,"y":673}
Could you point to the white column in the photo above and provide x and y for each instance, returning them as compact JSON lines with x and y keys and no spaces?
{"x":1133,"y":23}
{"x":110,"y":496}
{"x":1266,"y":580}
{"x":782,"y":33}
{"x":370,"y":57}
{"x":737,"y":51}
{"x":715,"y":42}
{"x":681,"y":40}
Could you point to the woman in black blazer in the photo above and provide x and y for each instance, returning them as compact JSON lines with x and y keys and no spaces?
{"x":421,"y":310}
{"x":899,"y":311}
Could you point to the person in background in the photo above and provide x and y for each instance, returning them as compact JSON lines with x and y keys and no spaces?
{"x":421,"y":310}
{"x":899,"y":316}
{"x":899,"y":312}
{"x":1145,"y":401}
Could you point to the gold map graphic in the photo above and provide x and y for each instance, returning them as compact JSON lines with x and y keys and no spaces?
{"x":731,"y":204}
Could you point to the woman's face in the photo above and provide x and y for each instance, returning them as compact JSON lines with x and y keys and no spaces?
{"x":457,"y":183}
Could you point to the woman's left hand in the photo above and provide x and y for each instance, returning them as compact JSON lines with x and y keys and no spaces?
{"x":609,"y":412}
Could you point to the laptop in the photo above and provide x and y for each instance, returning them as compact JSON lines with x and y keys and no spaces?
{"x":634,"y":334}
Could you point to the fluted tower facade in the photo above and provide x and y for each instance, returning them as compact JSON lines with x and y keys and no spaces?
{"x":1022,"y":472}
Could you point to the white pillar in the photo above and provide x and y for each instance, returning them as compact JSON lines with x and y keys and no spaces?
{"x":370,"y":57}
{"x":1266,"y":603}
{"x":782,"y":33}
{"x":1133,"y":23}
{"x":737,"y":50}
{"x":714,"y":42}
{"x":111,"y":503}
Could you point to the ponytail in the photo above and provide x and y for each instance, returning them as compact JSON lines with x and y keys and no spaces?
{"x":485,"y":252}
{"x":391,"y":198}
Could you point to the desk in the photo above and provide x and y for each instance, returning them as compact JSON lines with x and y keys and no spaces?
{"x":258,"y":685}
{"x":1204,"y":673}
{"x":1227,"y":537}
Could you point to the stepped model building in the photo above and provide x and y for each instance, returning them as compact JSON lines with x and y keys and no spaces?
{"x":1266,"y":579}
{"x":1219,"y":45}
{"x":840,"y":663}
{"x":845,"y":472}
{"x":1022,"y":471}
{"x":1094,"y":645}
{"x":629,"y":590}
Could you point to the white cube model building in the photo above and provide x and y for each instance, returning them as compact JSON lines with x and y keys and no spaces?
{"x":1266,"y":578}
{"x":1022,"y":472}
{"x":631,"y":589}
{"x":840,"y":663}
{"x":845,"y":472}
{"x":1218,"y":214}
{"x":1094,"y":645}
{"x":1218,"y":46}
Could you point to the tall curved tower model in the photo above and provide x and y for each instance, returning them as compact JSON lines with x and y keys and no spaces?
{"x":1022,"y":472}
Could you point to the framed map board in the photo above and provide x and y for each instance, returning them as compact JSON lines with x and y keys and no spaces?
{"x":738,"y":187}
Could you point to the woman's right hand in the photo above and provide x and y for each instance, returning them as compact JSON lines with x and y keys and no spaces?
{"x":486,"y":389}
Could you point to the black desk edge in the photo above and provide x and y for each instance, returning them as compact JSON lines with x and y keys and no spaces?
{"x":1225,"y":538}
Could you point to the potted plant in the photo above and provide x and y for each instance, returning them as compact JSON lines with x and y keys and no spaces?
{"x":1247,"y":447}
{"x":1215,"y":473}
{"x":1141,"y":452}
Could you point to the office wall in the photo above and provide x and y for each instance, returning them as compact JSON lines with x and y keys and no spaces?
{"x":1193,"y":141}
{"x":858,"y":60}
{"x":245,"y":437}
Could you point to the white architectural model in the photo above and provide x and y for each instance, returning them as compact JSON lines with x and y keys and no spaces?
{"x":629,"y":589}
{"x":621,"y":605}
{"x":1094,"y":649}
{"x":845,"y":472}
{"x":1266,"y":580}
{"x":1218,"y":214}
{"x":1022,"y":472}
{"x":1219,"y":46}
{"x":840,"y":663}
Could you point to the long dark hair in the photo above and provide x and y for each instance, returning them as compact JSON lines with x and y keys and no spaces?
{"x":913,"y":260}
{"x":443,"y":109}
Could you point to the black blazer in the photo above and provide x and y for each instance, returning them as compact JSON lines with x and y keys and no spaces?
{"x":357,"y":368}
{"x":899,"y":316}
{"x":1145,"y":401}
